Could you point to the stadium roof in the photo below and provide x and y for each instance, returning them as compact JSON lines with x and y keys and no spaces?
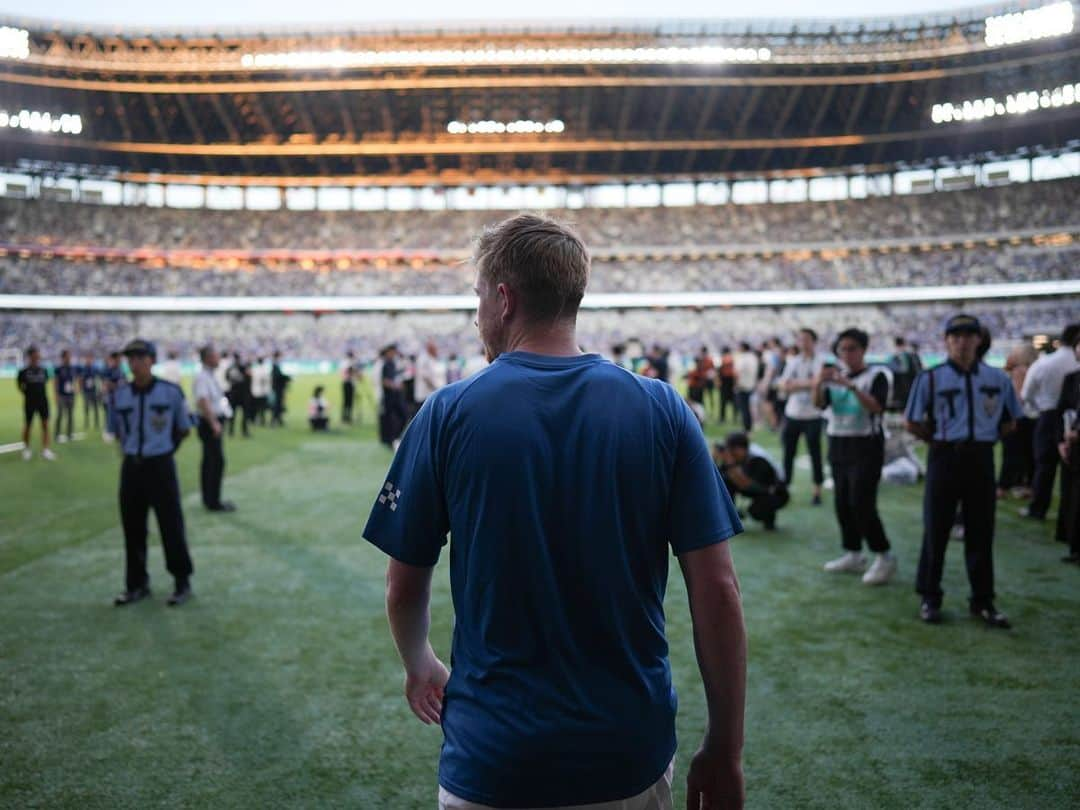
{"x":512,"y":103}
{"x":275,"y":16}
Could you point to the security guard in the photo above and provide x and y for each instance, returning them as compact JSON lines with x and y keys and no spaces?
{"x":961,"y":408}
{"x":150,"y":418}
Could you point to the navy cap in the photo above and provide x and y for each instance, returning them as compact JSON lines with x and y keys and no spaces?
{"x":963,"y":323}
{"x":139,"y":346}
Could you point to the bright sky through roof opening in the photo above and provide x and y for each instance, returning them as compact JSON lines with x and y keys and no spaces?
{"x":211,"y":13}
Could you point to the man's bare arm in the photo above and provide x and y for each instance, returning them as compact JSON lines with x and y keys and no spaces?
{"x":715,"y":778}
{"x":408,"y":601}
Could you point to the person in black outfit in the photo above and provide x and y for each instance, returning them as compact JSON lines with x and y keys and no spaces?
{"x":279,"y":381}
{"x":658,"y":361}
{"x":393,"y":416}
{"x":239,"y":395}
{"x":348,"y":387}
{"x":32,"y":382}
{"x":1068,"y":443}
{"x":747,"y":473}
{"x":90,"y":390}
{"x":64,"y":379}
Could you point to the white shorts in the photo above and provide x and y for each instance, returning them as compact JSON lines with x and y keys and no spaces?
{"x":657,"y":797}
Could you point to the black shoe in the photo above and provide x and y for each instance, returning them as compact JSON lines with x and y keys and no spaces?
{"x":182,"y":594}
{"x":815,"y":501}
{"x":990,"y":616}
{"x":224,"y":506}
{"x":929,"y":613}
{"x":1074,"y":557}
{"x":131,"y":597}
{"x":1027,"y":513}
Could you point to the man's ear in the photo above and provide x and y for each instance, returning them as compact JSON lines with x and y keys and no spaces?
{"x":507,"y":301}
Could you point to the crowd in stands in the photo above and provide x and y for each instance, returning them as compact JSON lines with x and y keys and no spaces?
{"x":981,"y":211}
{"x":327,"y":337}
{"x":983,"y":265}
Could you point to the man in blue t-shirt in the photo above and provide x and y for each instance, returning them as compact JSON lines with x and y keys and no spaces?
{"x":562,"y":479}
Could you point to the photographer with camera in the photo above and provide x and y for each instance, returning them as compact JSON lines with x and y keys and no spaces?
{"x":748,"y":471}
{"x":853,"y":396}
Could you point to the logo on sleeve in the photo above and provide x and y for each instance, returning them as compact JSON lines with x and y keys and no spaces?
{"x":390,"y":496}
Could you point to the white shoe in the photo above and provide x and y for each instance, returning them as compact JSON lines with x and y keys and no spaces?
{"x":27,"y":454}
{"x":48,"y":454}
{"x":61,"y":439}
{"x":851,"y":561}
{"x":883,"y":569}
{"x":107,"y":438}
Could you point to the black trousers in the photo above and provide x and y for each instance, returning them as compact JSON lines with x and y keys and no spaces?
{"x":764,"y":507}
{"x":213,"y":466}
{"x":348,"y":397}
{"x":392,"y":417}
{"x":727,"y":397}
{"x":65,"y":407}
{"x":789,"y":437}
{"x":1068,"y":528}
{"x":1068,"y":507}
{"x":1044,"y":448}
{"x":90,"y":405}
{"x":742,"y":406}
{"x":278,"y":408}
{"x":855,"y":479}
{"x":1017,"y":458}
{"x":146,"y":484}
{"x":958,"y":474}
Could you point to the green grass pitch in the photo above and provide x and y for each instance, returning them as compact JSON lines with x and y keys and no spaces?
{"x":278,"y":686}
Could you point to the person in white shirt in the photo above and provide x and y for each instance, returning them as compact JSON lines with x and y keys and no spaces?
{"x":260,"y":388}
{"x":1041,"y":391}
{"x":747,"y":365}
{"x":801,"y":418}
{"x":170,"y":369}
{"x":213,"y":409}
{"x":430,"y":373}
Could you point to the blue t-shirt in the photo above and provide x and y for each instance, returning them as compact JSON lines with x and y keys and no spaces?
{"x":562,"y":481}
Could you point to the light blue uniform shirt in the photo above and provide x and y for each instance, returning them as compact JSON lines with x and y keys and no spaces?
{"x":968,"y":406}
{"x":149,"y":421}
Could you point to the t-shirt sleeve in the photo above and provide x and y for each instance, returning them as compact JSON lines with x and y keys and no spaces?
{"x":409,"y":519}
{"x":879,"y":388}
{"x":700,"y":509}
{"x":916,"y":404}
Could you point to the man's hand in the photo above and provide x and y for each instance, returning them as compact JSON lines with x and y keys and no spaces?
{"x":714,"y":781}
{"x":424,"y":688}
{"x":1063,"y":451}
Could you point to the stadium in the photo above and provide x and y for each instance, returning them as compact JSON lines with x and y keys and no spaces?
{"x":317,"y":191}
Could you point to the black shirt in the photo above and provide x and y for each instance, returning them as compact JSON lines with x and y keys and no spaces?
{"x":763,"y":477}
{"x":65,"y":380}
{"x":31,"y":382}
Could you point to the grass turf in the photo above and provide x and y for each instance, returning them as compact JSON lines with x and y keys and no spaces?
{"x":278,"y":686}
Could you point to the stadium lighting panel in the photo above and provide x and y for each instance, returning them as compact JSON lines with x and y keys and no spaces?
{"x":554,"y":127}
{"x":1014,"y":104}
{"x":1054,"y":20}
{"x":14,"y":43}
{"x":42,"y":122}
{"x":698,"y":55}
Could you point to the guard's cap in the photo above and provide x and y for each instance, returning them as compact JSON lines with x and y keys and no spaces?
{"x":963,"y":323}
{"x":139,"y":346}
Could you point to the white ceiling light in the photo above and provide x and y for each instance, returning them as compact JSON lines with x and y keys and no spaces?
{"x":1038,"y":23}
